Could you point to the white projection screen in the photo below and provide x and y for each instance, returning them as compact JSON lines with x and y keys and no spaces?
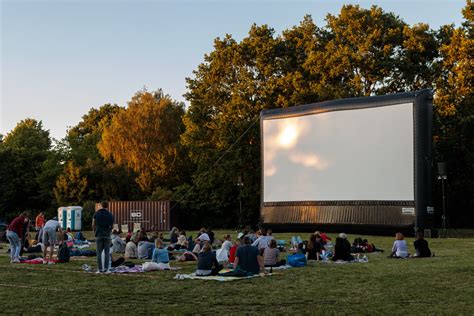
{"x":362,"y":154}
{"x":359,"y":161}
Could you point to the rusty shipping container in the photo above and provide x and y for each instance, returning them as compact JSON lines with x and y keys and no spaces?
{"x":149,"y":215}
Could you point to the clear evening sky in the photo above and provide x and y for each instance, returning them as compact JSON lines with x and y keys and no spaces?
{"x":60,"y":58}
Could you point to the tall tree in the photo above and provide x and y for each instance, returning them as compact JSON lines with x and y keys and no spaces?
{"x":145,"y":138}
{"x":454,"y":133}
{"x":24,"y":151}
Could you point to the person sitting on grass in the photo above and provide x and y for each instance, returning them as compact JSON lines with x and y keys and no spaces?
{"x":248,"y":258}
{"x":314,"y":247}
{"x":182,"y":241}
{"x":261,"y":242}
{"x":203,"y":236}
{"x":421,"y":246}
{"x":399,"y":249}
{"x":222,"y":254}
{"x":271,"y":254}
{"x":161,"y":255}
{"x":174,"y":235}
{"x":118,"y":245}
{"x":131,"y":250}
{"x":342,"y":249}
{"x":233,"y":251}
{"x":207,"y":262}
{"x":145,"y":249}
{"x":324,"y":238}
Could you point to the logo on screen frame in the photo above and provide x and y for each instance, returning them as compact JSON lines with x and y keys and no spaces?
{"x":408,"y":210}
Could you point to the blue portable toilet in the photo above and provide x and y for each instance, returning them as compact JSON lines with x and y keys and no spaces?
{"x":70,"y":217}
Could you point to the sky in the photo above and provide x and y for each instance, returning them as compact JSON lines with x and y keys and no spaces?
{"x":58,"y":59}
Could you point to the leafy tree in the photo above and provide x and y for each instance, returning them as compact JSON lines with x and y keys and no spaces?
{"x":454,"y":119}
{"x":145,"y":138}
{"x":70,"y":186}
{"x":24,"y":151}
{"x":104,"y":180}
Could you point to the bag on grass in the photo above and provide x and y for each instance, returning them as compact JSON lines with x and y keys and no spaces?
{"x":63,"y":254}
{"x":297,"y":260}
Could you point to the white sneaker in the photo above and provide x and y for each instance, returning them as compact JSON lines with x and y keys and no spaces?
{"x":16,"y":260}
{"x":98,"y":272}
{"x":108,"y":272}
{"x":50,"y":262}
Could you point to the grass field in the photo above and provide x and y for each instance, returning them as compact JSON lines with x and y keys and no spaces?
{"x":440,"y":285}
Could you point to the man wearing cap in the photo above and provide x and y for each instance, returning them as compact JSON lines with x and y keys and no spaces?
{"x":49,"y":238}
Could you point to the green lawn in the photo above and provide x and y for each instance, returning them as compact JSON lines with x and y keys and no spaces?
{"x":440,"y":285}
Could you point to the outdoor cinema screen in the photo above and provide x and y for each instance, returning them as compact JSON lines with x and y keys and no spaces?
{"x":362,"y":154}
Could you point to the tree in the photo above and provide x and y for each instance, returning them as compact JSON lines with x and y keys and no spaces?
{"x":454,"y":117}
{"x":70,"y":186}
{"x":145,"y":138}
{"x":104,"y":179}
{"x":24,"y":151}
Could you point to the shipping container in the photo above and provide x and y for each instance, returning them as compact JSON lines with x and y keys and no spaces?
{"x":146,"y":215}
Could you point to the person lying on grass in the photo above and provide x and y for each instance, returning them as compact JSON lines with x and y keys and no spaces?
{"x":400,"y":248}
{"x":161,"y":255}
{"x":271,"y":255}
{"x":191,"y":255}
{"x":207,"y":263}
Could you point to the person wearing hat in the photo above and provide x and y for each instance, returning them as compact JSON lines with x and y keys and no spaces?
{"x":342,"y":249}
{"x":49,"y":238}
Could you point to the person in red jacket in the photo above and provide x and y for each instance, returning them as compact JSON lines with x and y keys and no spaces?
{"x":14,"y":233}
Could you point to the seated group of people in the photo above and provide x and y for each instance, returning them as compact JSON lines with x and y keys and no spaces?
{"x":400,"y":247}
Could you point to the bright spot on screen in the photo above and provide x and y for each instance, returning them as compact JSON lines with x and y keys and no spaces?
{"x":309,"y":160}
{"x":288,"y":136}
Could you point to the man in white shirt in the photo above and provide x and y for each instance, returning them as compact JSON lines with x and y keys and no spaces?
{"x":49,"y":238}
{"x":203,"y":237}
{"x":261,"y":242}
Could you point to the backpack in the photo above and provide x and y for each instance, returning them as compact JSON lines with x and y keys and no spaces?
{"x":64,"y":255}
{"x":297,"y":260}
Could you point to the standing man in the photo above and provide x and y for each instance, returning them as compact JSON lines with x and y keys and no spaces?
{"x":39,"y":222}
{"x":102,"y":226}
{"x":49,"y":238}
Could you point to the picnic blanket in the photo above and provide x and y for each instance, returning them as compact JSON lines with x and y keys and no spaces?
{"x":193,"y":276}
{"x":37,"y":261}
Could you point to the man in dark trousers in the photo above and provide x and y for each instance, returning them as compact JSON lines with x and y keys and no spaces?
{"x":102,"y":226}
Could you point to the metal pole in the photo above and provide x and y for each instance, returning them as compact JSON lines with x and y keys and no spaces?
{"x":443,"y":224}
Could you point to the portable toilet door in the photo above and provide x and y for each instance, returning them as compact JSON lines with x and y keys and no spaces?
{"x":75,"y":217}
{"x":62,"y":217}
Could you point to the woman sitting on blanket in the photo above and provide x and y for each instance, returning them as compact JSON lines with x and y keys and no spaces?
{"x":271,"y":254}
{"x":399,"y":249}
{"x":207,"y":263}
{"x":161,"y":255}
{"x":314,"y":247}
{"x":191,"y":255}
{"x":342,"y":249}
